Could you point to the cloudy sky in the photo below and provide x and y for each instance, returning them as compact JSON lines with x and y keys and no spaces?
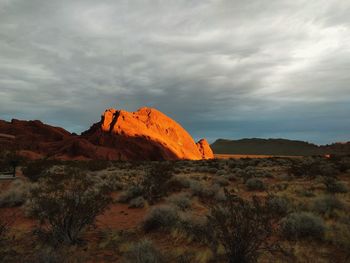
{"x":223,"y":69}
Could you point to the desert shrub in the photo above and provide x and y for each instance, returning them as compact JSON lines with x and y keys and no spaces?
{"x":220,"y":196}
{"x":7,"y":253}
{"x":16,"y":194}
{"x":160,"y":217}
{"x":304,"y":167}
{"x":327,"y":204}
{"x":195,"y":227}
{"x":237,"y":171}
{"x":255,"y":184}
{"x":36,"y":169}
{"x":278,"y":205}
{"x":242,"y":227}
{"x":203,"y":191}
{"x":186,"y":257}
{"x":304,"y":192}
{"x":221,"y":172}
{"x":112,"y":181}
{"x":50,"y":255}
{"x":5,"y":222}
{"x":221,"y":181}
{"x":143,"y":252}
{"x":343,"y":164}
{"x":280,"y":186}
{"x":66,"y":205}
{"x":334,"y":186}
{"x":154,"y":184}
{"x":300,"y":225}
{"x":177,"y":183}
{"x":339,"y":236}
{"x":212,"y":170}
{"x":180,"y":200}
{"x":137,"y":202}
{"x":328,"y":169}
{"x":312,"y":167}
{"x":131,"y":193}
{"x":230,"y":177}
{"x":97,"y":165}
{"x":248,"y":173}
{"x":196,"y":187}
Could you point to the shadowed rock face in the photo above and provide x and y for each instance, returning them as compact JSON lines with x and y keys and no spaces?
{"x":146,"y":134}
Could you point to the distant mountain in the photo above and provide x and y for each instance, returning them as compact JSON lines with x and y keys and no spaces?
{"x":277,"y":147}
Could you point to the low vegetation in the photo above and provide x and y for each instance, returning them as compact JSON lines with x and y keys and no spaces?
{"x":243,"y":228}
{"x":66,"y":204}
{"x":233,"y":210}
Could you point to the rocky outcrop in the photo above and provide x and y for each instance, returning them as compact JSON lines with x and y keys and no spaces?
{"x":205,"y":149}
{"x":146,"y":134}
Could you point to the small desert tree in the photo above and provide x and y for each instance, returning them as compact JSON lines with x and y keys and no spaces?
{"x":154,"y":184}
{"x":242,"y":227}
{"x":66,"y":204}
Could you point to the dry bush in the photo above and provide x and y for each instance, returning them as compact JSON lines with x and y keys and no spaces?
{"x":181,"y":200}
{"x":66,"y":204}
{"x":137,"y":202}
{"x":254,"y":184}
{"x":155,"y":183}
{"x":97,"y":165}
{"x":7,"y":254}
{"x":334,"y":186}
{"x":303,"y":225}
{"x":143,"y":251}
{"x":242,"y":227}
{"x":327,"y":204}
{"x":16,"y":194}
{"x":161,"y":217}
{"x":36,"y":169}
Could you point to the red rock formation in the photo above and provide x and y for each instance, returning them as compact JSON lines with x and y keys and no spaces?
{"x":146,"y":134}
{"x":205,"y":149}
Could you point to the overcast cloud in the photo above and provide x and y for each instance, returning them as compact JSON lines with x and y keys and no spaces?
{"x":223,"y":69}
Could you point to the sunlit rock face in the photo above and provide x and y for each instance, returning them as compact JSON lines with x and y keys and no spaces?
{"x":147,"y":134}
{"x":205,"y":149}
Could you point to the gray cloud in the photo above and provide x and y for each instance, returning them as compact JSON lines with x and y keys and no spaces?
{"x":227,"y":69}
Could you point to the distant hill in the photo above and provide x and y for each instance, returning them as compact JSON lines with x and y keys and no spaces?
{"x":277,"y":147}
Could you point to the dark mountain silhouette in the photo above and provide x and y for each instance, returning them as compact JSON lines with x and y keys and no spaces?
{"x":277,"y":147}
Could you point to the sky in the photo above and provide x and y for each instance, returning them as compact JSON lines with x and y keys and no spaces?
{"x":222,"y":69}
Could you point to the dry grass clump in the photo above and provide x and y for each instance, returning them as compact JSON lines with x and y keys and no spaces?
{"x":16,"y":195}
{"x":301,"y":225}
{"x":162,"y":217}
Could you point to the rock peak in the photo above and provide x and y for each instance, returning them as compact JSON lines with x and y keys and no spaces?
{"x":172,"y":140}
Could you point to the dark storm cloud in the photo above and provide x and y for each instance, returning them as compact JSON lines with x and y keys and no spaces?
{"x":227,"y":69}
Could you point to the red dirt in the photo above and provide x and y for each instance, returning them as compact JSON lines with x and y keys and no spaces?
{"x":119,"y":216}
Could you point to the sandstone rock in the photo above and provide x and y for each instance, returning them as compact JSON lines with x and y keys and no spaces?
{"x":150,"y":135}
{"x":205,"y":149}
